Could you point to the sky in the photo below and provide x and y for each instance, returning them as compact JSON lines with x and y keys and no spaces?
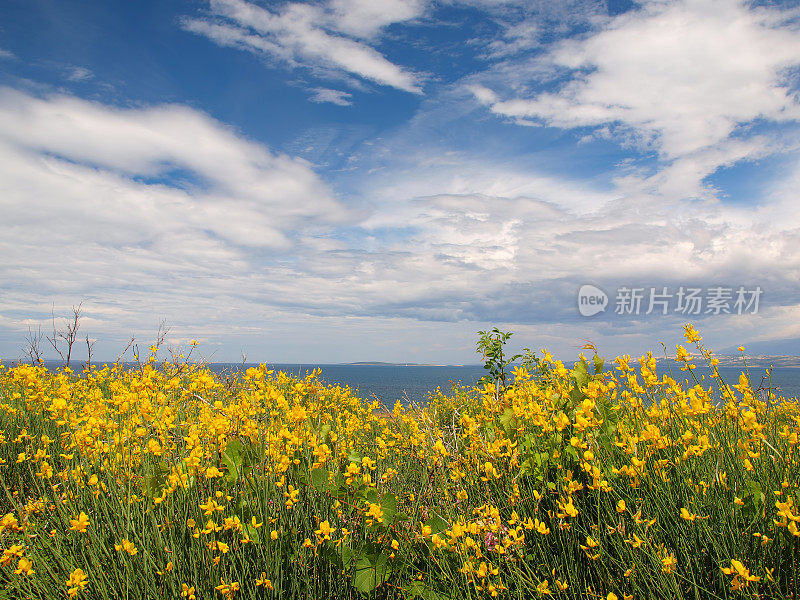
{"x":350,"y":180}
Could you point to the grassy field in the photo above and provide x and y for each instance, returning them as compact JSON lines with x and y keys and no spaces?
{"x":592,"y":481}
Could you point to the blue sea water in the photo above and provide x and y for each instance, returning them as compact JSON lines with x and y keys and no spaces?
{"x":388,"y":383}
{"x":413,"y":383}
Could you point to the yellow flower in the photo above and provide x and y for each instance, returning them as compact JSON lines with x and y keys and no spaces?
{"x":621,"y":506}
{"x":187,"y":592}
{"x":741,"y":575}
{"x":126,"y":546}
{"x":543,"y":589}
{"x":691,"y":334}
{"x":439,"y":447}
{"x":11,"y":553}
{"x":77,"y":582}
{"x":80,"y":523}
{"x":9,"y":523}
{"x":375,"y":511}
{"x":325,"y":531}
{"x":24,"y":567}
{"x":273,"y":534}
{"x":635,"y":542}
{"x":668,"y":563}
{"x":227,"y":589}
{"x":264,"y":581}
{"x":590,"y":543}
{"x":210,"y":506}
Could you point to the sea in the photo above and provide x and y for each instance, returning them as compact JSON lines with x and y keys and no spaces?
{"x":413,"y":384}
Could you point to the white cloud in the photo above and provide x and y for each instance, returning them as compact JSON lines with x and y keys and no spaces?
{"x":313,"y":35}
{"x":79,"y":74}
{"x":682,"y":75}
{"x":333,"y":96}
{"x":236,"y":188}
{"x":366,"y":18}
{"x":144,"y":210}
{"x":7,"y":54}
{"x":163,"y":212}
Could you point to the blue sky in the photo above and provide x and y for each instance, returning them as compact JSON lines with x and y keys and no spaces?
{"x":347,"y":180}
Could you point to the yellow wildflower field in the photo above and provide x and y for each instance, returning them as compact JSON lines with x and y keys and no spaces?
{"x":168,"y":481}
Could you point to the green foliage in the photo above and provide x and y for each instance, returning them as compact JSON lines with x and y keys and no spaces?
{"x":491,"y":347}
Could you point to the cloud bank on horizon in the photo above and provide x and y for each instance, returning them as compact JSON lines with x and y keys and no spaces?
{"x":377,"y":179}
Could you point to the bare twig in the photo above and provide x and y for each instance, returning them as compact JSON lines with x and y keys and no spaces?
{"x":68,"y":335}
{"x":89,"y":347}
{"x":130,"y":343}
{"x":161,"y":335}
{"x":33,"y":345}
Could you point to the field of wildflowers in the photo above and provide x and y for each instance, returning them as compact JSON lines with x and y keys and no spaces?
{"x":167,"y":481}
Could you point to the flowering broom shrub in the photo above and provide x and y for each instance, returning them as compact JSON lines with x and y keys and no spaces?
{"x":169,"y":481}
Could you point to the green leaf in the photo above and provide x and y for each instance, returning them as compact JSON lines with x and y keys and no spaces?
{"x":598,"y":364}
{"x":418,"y":589}
{"x":581,"y":374}
{"x":252,"y":533}
{"x":371,"y":570}
{"x":319,"y":479}
{"x":507,"y":418}
{"x":232,"y":460}
{"x":388,"y":504}
{"x":156,"y":479}
{"x":757,"y":492}
{"x":571,"y":451}
{"x":437,"y":524}
{"x":346,"y":554}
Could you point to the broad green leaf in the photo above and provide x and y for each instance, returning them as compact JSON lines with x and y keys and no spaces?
{"x":156,"y":479}
{"x":232,"y":460}
{"x":507,"y":419}
{"x":437,"y":524}
{"x":418,"y":589}
{"x":371,"y":570}
{"x":253,"y":533}
{"x":388,"y":504}
{"x":319,"y":479}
